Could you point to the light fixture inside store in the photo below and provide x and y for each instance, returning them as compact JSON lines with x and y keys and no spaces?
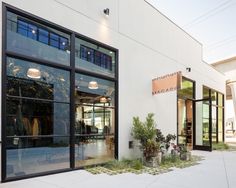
{"x":93,"y":85}
{"x":62,"y":79}
{"x":103,"y":100}
{"x":106,"y":11}
{"x":33,"y":31}
{"x":34,"y":73}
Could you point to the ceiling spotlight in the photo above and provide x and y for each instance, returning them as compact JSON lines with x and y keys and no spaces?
{"x":106,"y":11}
{"x":34,"y":73}
{"x":93,"y":85}
{"x":33,"y":31}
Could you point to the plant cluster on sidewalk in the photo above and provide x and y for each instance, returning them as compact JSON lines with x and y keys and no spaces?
{"x":154,"y":145}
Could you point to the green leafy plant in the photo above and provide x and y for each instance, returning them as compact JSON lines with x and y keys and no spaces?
{"x":165,"y":141}
{"x":151,"y":148}
{"x":144,"y":131}
{"x":115,"y":165}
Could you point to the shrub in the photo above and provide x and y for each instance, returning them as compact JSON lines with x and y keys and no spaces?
{"x":144,"y":131}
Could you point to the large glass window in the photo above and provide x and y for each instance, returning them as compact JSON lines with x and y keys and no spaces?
{"x":36,"y":40}
{"x":220,"y":117}
{"x":217,"y":107}
{"x":94,"y":58}
{"x":187,"y":89}
{"x":37,"y":110}
{"x":37,"y":116}
{"x":95,"y":120}
{"x":185,"y":112}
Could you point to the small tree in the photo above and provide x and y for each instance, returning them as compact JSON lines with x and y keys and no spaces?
{"x":144,"y":131}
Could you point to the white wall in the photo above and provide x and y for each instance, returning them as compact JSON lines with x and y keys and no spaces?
{"x":149,"y":46}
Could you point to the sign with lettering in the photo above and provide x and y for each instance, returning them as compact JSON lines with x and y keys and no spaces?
{"x":166,"y":83}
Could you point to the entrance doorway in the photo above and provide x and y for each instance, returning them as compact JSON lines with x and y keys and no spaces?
{"x":202,"y":125}
{"x":185,"y":122}
{"x":195,"y":124}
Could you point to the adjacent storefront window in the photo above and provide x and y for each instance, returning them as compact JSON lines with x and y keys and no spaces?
{"x":41,"y":134}
{"x":217,"y":108}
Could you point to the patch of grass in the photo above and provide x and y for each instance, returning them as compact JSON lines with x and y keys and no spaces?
{"x":124,"y":164}
{"x":135,"y":166}
{"x":220,"y":146}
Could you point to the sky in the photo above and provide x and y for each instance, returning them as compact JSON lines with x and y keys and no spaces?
{"x":211,"y":22}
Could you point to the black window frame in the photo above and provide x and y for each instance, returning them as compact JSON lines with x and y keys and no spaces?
{"x":71,"y":67}
{"x":217,"y":106}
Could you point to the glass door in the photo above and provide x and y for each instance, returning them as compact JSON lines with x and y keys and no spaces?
{"x":202,"y":125}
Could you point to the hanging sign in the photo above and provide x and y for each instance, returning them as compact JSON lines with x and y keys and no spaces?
{"x":166,"y":83}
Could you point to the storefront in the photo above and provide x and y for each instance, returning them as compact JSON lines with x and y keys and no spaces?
{"x":64,"y":103}
{"x":59,"y":102}
{"x":200,"y":121}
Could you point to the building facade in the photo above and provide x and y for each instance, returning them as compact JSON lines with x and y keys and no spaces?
{"x":73,"y":79}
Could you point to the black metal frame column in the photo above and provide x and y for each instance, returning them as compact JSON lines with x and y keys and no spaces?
{"x":3,"y":122}
{"x":72,"y":102}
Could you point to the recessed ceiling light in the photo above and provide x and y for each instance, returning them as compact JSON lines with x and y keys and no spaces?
{"x":110,"y":52}
{"x":63,"y":43}
{"x":33,"y":31}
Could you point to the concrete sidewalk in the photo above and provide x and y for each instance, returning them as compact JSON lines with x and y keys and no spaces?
{"x":218,"y":170}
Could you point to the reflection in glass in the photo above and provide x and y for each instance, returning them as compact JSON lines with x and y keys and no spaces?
{"x":202,"y":134}
{"x":220,"y":124}
{"x":206,"y":92}
{"x":186,"y":90}
{"x":37,"y":119}
{"x":94,"y":121}
{"x":217,"y":113}
{"x":35,"y":40}
{"x":94,"y":58}
{"x":45,"y":155}
{"x":185,"y":113}
{"x":213,"y":97}
{"x":53,"y":83}
{"x":220,"y":99}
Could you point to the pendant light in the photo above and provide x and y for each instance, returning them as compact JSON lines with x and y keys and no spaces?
{"x":93,"y":85}
{"x":34,"y":73}
{"x":103,"y":100}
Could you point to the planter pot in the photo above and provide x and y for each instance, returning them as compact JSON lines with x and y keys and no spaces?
{"x":185,"y":156}
{"x":159,"y":157}
{"x":151,"y":161}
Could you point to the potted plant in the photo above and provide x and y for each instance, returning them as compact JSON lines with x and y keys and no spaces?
{"x":150,"y":153}
{"x":184,"y":153}
{"x":165,"y":142}
{"x":145,"y":133}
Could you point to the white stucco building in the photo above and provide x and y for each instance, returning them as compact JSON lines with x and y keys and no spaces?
{"x":73,"y":78}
